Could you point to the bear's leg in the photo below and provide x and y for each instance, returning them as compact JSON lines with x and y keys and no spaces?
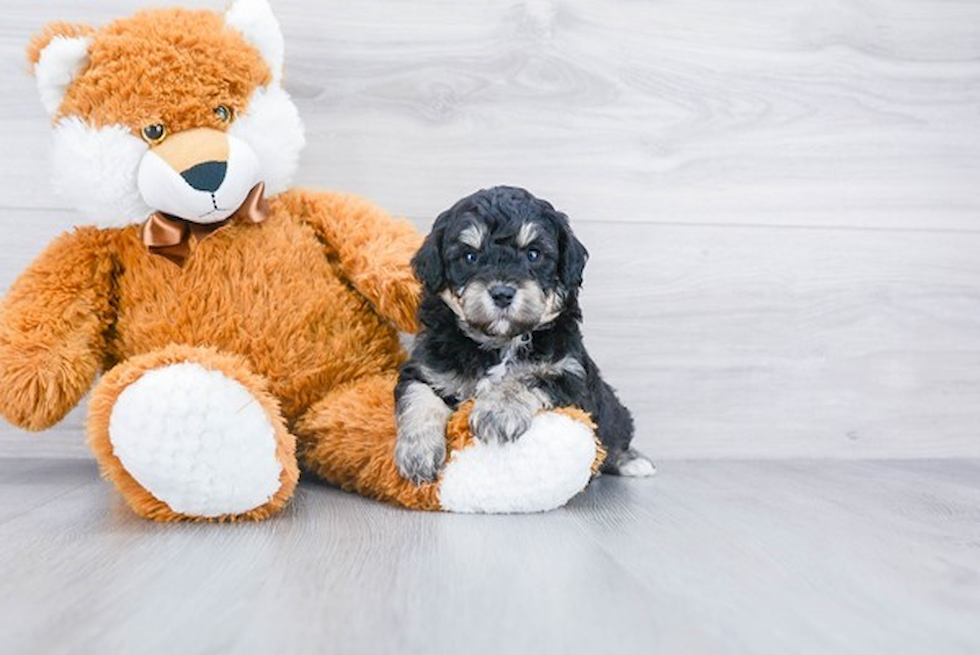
{"x":192,"y":434}
{"x":348,"y":439}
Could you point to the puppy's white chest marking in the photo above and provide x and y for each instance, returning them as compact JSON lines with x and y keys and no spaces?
{"x":512,"y":368}
{"x":508,"y":360}
{"x":511,"y":371}
{"x":509,"y":366}
{"x":495,"y":375}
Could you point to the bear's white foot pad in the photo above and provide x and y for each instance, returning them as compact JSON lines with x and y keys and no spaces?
{"x":197,"y":440}
{"x":541,"y":471}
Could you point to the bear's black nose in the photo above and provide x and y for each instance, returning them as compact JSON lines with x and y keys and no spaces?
{"x":502,"y":295}
{"x":207,"y":176}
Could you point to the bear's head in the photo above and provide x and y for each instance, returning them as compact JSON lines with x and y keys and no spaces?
{"x":177,"y":111}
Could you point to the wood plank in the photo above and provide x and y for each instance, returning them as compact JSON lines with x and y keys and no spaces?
{"x":757,"y":342}
{"x":824,"y":557}
{"x":709,"y":557}
{"x":854,"y":114}
{"x":750,"y":342}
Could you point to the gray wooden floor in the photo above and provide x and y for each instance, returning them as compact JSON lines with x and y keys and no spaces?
{"x":803,"y":556}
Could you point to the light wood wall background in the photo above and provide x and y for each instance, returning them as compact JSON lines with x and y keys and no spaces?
{"x":781,"y":197}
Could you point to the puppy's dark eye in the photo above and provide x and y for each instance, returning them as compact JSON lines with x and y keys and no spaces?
{"x":154,"y":134}
{"x":471,"y":257}
{"x":223,"y":113}
{"x":533,"y":255}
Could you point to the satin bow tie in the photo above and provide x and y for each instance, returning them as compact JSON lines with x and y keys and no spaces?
{"x":170,"y":237}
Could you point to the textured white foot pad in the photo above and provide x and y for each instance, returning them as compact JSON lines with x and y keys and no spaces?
{"x":197,"y":440}
{"x":542,"y":470}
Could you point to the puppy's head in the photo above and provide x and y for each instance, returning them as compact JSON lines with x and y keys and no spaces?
{"x":504,"y":261}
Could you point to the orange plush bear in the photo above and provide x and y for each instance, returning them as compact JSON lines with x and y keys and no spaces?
{"x":244,"y":328}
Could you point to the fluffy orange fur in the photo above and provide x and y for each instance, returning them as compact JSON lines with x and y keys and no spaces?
{"x":356,"y":450}
{"x":310,"y":301}
{"x":140,"y":71}
{"x":313,"y":297}
{"x":53,"y":326}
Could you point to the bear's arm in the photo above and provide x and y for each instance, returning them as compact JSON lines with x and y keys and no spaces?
{"x":372,"y":249}
{"x":52,"y":329}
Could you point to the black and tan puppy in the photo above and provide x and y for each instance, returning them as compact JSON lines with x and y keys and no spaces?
{"x":499,"y":316}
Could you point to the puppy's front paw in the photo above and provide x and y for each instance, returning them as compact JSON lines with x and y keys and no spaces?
{"x":420,"y":455}
{"x":420,"y":445}
{"x":502,"y":424}
{"x":503,"y":412}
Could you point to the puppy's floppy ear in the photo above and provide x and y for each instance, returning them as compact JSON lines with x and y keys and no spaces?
{"x":572,"y":255}
{"x":427,"y":262}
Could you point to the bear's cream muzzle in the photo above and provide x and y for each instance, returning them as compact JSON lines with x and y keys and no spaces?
{"x":200,"y":175}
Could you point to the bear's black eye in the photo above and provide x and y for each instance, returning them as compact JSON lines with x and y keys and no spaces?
{"x":470,"y":257}
{"x":533,"y":255}
{"x":155,"y":133}
{"x":223,"y":113}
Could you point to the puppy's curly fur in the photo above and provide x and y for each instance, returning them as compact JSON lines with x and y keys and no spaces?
{"x":501,"y":272}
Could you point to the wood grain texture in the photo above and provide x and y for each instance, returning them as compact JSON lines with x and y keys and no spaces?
{"x":870,"y":558}
{"x":780,"y":198}
{"x":856,"y":113}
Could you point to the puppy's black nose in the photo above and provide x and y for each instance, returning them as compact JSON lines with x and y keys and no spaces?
{"x":207,"y":176}
{"x":502,"y":295}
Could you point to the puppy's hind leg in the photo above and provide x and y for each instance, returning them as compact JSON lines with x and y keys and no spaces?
{"x":629,"y":463}
{"x":616,"y":433}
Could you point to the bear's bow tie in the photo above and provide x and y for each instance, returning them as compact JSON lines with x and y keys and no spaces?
{"x":171,"y":237}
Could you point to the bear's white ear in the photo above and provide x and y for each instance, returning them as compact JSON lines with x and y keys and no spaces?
{"x":255,"y":20}
{"x":60,"y":62}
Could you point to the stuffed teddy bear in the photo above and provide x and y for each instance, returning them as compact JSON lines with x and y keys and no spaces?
{"x":242,"y":328}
